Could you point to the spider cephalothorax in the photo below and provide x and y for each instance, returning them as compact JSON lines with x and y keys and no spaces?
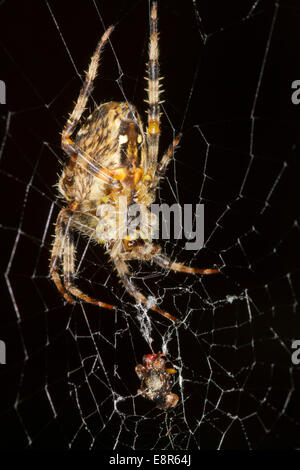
{"x":112,"y":176}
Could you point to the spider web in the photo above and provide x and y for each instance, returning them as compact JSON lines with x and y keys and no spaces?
{"x":69,"y":379}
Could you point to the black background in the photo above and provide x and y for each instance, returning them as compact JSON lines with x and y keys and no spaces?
{"x":228,"y":69}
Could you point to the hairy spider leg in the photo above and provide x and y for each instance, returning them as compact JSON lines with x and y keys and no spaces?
{"x":153,"y":91}
{"x":166,"y":158}
{"x":57,"y":253}
{"x":84,"y":94}
{"x":166,"y":263}
{"x":63,"y":253}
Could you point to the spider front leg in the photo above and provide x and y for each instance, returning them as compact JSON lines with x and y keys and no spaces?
{"x":74,"y":118}
{"x":166,"y":158}
{"x":63,"y":253}
{"x":166,"y":263}
{"x":153,"y":129}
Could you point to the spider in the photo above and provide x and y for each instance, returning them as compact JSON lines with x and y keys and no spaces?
{"x":112,"y":158}
{"x":157,"y":381}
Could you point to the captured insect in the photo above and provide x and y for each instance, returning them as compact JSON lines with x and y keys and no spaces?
{"x":156,"y":381}
{"x":112,"y":158}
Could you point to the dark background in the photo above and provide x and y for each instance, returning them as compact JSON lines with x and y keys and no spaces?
{"x":228,"y":69}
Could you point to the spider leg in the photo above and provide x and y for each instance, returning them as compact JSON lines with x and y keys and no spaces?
{"x":153,"y":129}
{"x":166,"y":263}
{"x":57,"y":253}
{"x":131,"y":288}
{"x":67,"y":144}
{"x":69,"y":270}
{"x":166,"y":158}
{"x":64,"y":248}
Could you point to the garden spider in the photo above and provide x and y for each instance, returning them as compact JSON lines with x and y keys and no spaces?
{"x":112,"y":159}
